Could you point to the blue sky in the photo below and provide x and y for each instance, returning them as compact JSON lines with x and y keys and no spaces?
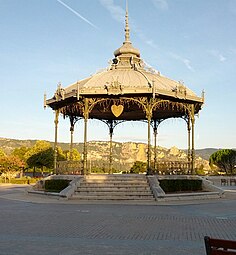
{"x":44,"y":42}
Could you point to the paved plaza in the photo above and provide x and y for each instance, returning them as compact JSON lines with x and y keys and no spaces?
{"x":31,"y":225}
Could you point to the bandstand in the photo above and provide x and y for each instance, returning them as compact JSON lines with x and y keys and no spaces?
{"x":127,"y":90}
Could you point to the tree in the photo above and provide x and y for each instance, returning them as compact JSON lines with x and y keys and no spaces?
{"x":138,"y":167}
{"x":10,"y":166}
{"x":41,"y":159}
{"x":224,"y":159}
{"x":74,"y":155}
{"x":61,"y":156}
{"x":20,"y":152}
{"x":42,"y":155}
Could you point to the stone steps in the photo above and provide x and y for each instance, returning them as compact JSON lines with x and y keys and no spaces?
{"x":114,"y":192}
{"x":113,"y":197}
{"x":116,"y":181}
{"x":114,"y":187}
{"x":111,"y":188}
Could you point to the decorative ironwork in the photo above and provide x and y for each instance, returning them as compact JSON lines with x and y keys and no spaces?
{"x":117,"y":109}
{"x":69,"y":167}
{"x":114,"y":88}
{"x":60,"y":93}
{"x":180,"y":91}
{"x":73,"y":120}
{"x":172,"y":167}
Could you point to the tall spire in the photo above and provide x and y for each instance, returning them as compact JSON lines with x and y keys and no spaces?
{"x":127,"y":35}
{"x":127,"y":48}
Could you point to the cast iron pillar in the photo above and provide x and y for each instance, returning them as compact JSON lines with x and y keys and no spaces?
{"x":86,"y":115}
{"x":193,"y":149}
{"x":55,"y":141}
{"x":149,"y":170}
{"x":155,"y":144}
{"x":71,"y":136}
{"x":110,"y":156}
{"x":189,"y":145}
{"x":73,"y":120}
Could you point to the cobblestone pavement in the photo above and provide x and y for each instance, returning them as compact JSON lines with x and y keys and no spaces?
{"x":30,"y":228}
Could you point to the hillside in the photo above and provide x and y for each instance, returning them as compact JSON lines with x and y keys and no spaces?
{"x":124,"y":154}
{"x":206,"y":153}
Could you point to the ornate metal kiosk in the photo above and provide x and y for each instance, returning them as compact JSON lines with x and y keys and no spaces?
{"x":127,"y":91}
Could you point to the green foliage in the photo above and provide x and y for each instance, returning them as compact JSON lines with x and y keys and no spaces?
{"x":60,"y":154}
{"x":2,"y":154}
{"x":224,"y":159}
{"x":98,"y":170}
{"x":20,"y":152}
{"x":74,"y":155}
{"x":23,"y":180}
{"x":138,"y":167}
{"x":178,"y":185}
{"x":42,"y":155}
{"x":102,"y":170}
{"x":41,"y":159}
{"x":56,"y":185}
{"x":10,"y":165}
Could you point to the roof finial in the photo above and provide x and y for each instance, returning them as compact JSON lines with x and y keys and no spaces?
{"x":127,"y":36}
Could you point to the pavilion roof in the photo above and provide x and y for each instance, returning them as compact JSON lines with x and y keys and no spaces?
{"x":127,"y":75}
{"x":129,"y":72}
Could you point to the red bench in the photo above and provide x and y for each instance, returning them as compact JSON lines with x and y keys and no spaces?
{"x":219,"y":246}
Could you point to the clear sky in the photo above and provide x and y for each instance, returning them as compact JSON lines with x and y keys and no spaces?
{"x":44,"y":42}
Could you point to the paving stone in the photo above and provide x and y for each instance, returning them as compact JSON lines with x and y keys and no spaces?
{"x":51,"y":227}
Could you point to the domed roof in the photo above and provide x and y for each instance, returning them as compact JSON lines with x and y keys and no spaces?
{"x":130,"y":81}
{"x":128,"y":74}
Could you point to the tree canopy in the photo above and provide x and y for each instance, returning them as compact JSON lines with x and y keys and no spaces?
{"x":10,"y":166}
{"x":20,"y":152}
{"x":72,"y":155}
{"x":39,"y":156}
{"x":224,"y":159}
{"x":138,"y":167}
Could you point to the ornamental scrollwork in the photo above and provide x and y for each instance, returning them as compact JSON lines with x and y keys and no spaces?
{"x":114,"y":87}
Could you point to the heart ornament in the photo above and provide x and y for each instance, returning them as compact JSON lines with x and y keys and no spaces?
{"x":117,"y":109}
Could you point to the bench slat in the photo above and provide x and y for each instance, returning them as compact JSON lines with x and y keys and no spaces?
{"x":219,"y":246}
{"x":219,"y":243}
{"x":221,"y":252}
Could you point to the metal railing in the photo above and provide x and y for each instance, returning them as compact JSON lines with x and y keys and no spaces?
{"x":69,"y":167}
{"x":172,"y":167}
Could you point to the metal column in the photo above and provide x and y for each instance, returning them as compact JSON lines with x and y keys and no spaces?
{"x":149,"y":146}
{"x":155,"y":144}
{"x":55,"y":141}
{"x":86,"y":115}
{"x":189,"y":145}
{"x":193,"y":149}
{"x":110,"y":156}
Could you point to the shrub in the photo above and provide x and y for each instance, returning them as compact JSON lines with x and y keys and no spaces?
{"x":19,"y":181}
{"x":23,"y":180}
{"x":180,"y":185}
{"x":56,"y":185}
